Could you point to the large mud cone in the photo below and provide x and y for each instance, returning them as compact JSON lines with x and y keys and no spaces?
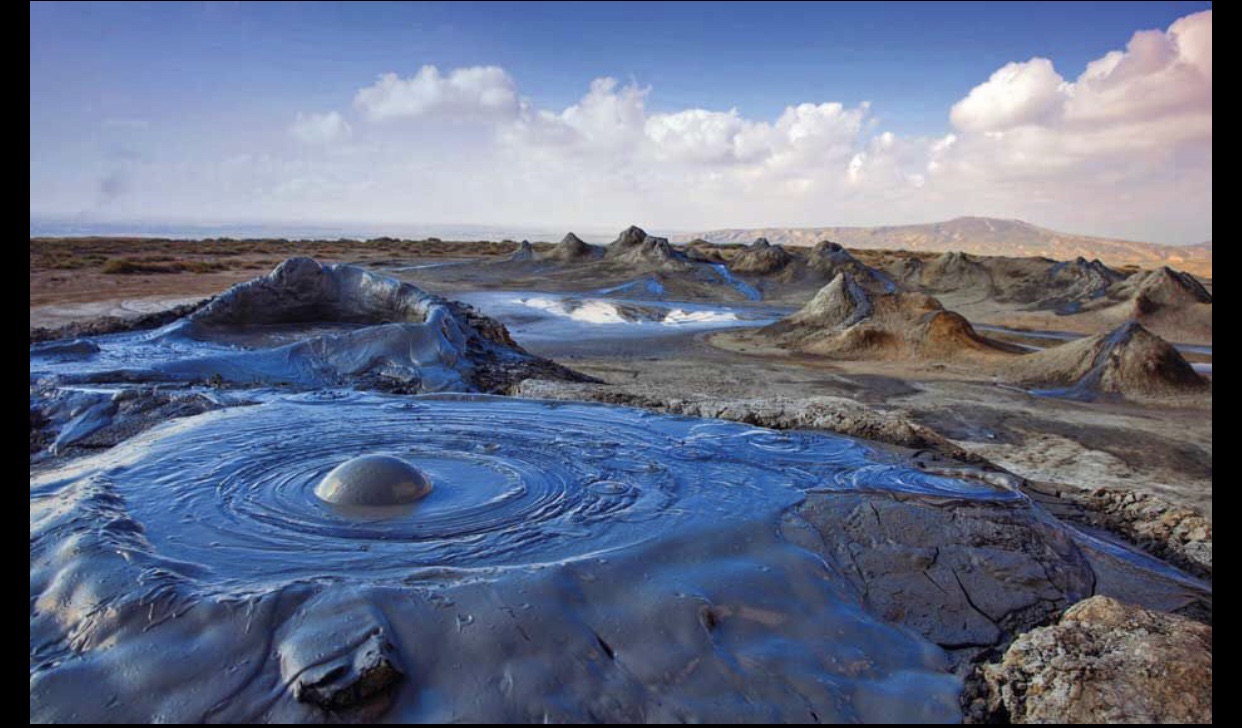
{"x":630,"y":237}
{"x":908,"y":270}
{"x":635,"y":246}
{"x":1129,"y":360}
{"x":955,"y":271}
{"x":1106,"y":662}
{"x":1169,"y":287}
{"x":761,"y":258}
{"x":1082,"y":278}
{"x":1171,"y":303}
{"x":846,"y":319}
{"x":840,"y":304}
{"x":572,"y":248}
{"x":828,"y":259}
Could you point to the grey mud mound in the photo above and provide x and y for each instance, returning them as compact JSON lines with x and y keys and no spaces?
{"x":952,"y":272}
{"x":572,"y":249}
{"x":1169,"y":301}
{"x":1106,"y":662}
{"x":113,"y":324}
{"x":1129,"y":360}
{"x":1077,"y":282}
{"x":635,"y":246}
{"x":395,"y":337}
{"x":573,"y":563}
{"x":847,"y":320}
{"x":761,"y":258}
{"x":1063,"y":287}
{"x":829,"y":260}
{"x":1167,"y":287}
{"x":524,"y":253}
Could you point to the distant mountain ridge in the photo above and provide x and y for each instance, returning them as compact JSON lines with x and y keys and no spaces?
{"x":982,"y":236}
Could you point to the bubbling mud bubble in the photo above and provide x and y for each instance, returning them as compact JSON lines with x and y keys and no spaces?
{"x":374,"y":481}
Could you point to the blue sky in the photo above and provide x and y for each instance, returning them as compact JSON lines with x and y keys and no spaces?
{"x":137,"y":109}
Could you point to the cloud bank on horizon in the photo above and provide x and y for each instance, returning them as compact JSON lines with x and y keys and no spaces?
{"x":1124,"y":150}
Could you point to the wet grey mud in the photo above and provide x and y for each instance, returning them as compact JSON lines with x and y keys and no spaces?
{"x":299,"y":549}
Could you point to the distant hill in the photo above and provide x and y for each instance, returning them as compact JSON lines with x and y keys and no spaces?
{"x":983,"y":236}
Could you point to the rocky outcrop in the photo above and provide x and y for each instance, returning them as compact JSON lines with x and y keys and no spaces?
{"x":1129,"y":360}
{"x":1106,"y":662}
{"x":1174,"y":533}
{"x":846,"y":319}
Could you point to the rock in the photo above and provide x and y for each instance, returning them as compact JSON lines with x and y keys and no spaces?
{"x":1175,"y":533}
{"x":1106,"y":662}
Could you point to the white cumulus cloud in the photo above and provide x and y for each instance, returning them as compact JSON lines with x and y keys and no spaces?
{"x":320,"y":128}
{"x":1123,"y":149}
{"x":478,"y":90}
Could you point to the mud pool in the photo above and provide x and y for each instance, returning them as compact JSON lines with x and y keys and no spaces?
{"x":209,"y":520}
{"x":542,"y":317}
{"x":561,"y":561}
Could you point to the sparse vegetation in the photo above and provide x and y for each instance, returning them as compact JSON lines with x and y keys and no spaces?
{"x":162,"y":264}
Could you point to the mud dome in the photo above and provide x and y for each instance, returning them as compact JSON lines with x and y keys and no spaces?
{"x":573,"y":562}
{"x":373,"y":481}
{"x":308,"y":325}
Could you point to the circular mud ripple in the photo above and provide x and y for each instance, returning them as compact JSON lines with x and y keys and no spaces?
{"x":517,"y":483}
